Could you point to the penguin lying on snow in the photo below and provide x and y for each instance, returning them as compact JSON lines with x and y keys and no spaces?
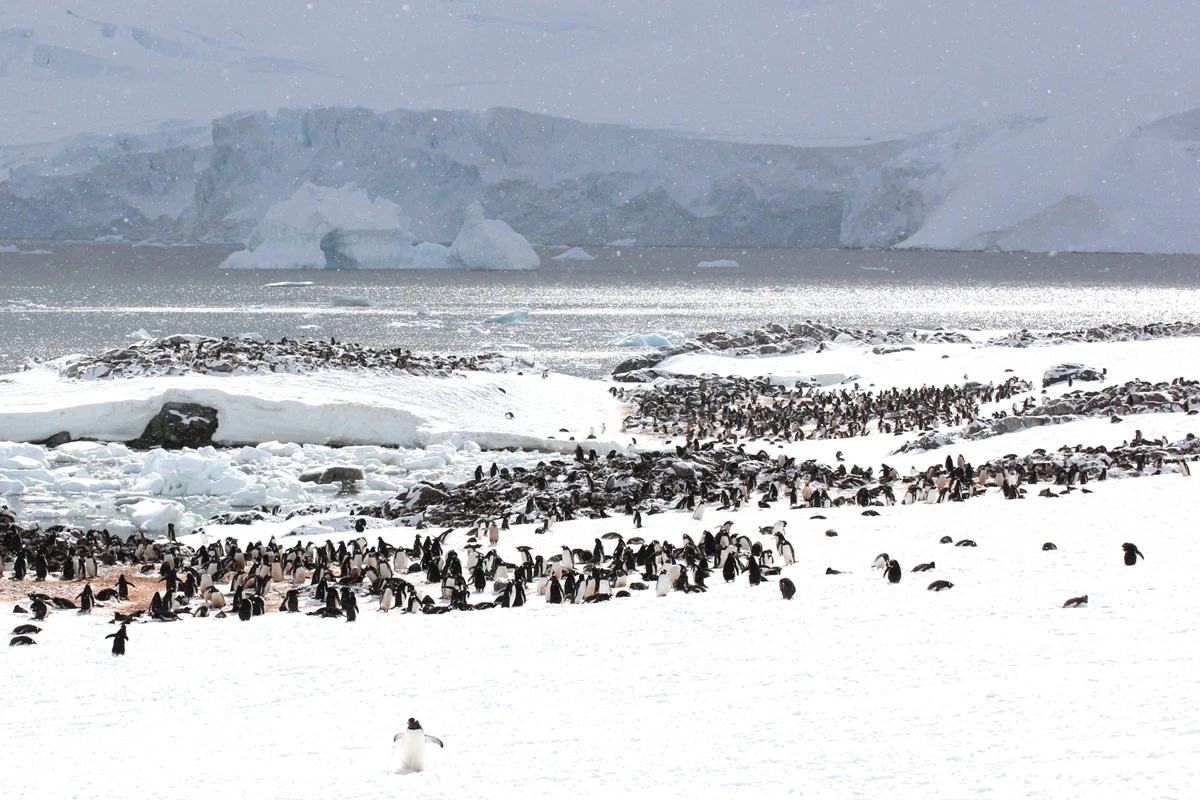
{"x":412,"y":750}
{"x":1076,"y":602}
{"x":939,"y":586}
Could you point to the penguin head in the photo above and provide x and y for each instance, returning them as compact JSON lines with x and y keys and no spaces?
{"x":413,"y":725}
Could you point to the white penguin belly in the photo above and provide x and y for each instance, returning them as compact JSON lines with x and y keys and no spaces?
{"x":412,"y":753}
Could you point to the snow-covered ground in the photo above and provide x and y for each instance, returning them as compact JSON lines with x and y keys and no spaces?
{"x":854,"y":688}
{"x":941,"y":125}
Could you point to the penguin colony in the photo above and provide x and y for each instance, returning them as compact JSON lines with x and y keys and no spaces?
{"x":800,"y":337}
{"x":329,"y":580}
{"x":181,"y":354}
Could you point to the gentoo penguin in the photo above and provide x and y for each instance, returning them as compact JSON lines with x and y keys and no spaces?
{"x":412,"y":750}
{"x":945,"y":540}
{"x":1049,"y":546}
{"x":923,"y":567}
{"x":1131,"y":553}
{"x":787,"y":588}
{"x":882,"y":561}
{"x":119,"y":638}
{"x":17,"y":641}
{"x":939,"y":586}
{"x":1076,"y":602}
{"x":965,"y":543}
{"x":663,"y":587}
{"x":23,"y":630}
{"x":832,"y":571}
{"x":893,"y":571}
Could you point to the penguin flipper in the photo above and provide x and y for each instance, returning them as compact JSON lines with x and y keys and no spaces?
{"x":398,"y":736}
{"x":434,"y":740}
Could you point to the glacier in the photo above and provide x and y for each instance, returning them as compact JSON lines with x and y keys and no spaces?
{"x":559,"y":180}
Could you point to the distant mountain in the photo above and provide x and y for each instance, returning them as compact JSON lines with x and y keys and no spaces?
{"x":936,"y":124}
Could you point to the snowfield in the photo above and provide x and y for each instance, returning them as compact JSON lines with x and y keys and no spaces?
{"x":855,"y":687}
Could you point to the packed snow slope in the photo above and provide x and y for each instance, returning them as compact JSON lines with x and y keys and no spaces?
{"x":1029,"y":126}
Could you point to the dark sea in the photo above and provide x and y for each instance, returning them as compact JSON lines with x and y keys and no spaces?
{"x":58,"y":298}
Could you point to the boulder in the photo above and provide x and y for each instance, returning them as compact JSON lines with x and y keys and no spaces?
{"x":179,"y":425}
{"x":1070,"y":372}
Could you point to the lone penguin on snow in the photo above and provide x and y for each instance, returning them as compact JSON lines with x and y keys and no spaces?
{"x":119,"y":638}
{"x":412,"y":750}
{"x":1131,"y":553}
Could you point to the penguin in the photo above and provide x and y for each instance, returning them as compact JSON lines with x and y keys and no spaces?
{"x":86,"y":599}
{"x":23,"y":630}
{"x":663,"y":587}
{"x":832,"y":571}
{"x":18,"y":641}
{"x":965,"y":543}
{"x":893,"y":571}
{"x":939,"y":586}
{"x":882,"y":561}
{"x":555,"y":593}
{"x":1048,"y":546}
{"x":122,"y":588}
{"x":291,"y":602}
{"x":945,"y":540}
{"x":387,"y":599}
{"x":40,"y":609}
{"x":1131,"y":554}
{"x":787,"y":588}
{"x":412,"y":750}
{"x":119,"y":638}
{"x":1076,"y":602}
{"x":349,"y":604}
{"x":923,"y":567}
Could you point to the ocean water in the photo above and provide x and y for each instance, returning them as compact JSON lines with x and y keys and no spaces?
{"x":58,"y":298}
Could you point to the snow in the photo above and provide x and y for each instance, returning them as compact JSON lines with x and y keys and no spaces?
{"x":491,"y":244}
{"x":991,"y":689}
{"x":323,"y":407}
{"x":653,"y":339}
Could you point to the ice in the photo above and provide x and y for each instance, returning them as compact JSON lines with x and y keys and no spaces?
{"x":153,"y":515}
{"x":720,"y":263}
{"x":491,"y":244}
{"x":350,"y":301}
{"x":575,"y":254}
{"x":287,"y":284}
{"x":654,"y":339}
{"x":321,"y":227}
{"x":521,"y":315}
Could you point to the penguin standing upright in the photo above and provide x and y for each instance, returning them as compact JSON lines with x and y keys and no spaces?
{"x":787,"y":588}
{"x":893,"y":571}
{"x":663,"y":586}
{"x":412,"y":750}
{"x":1131,"y":553}
{"x":119,"y":638}
{"x":86,"y":599}
{"x":349,"y":604}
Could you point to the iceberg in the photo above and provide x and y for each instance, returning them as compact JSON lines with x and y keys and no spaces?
{"x":321,"y":227}
{"x":720,"y":263}
{"x":575,"y":254}
{"x":491,"y":244}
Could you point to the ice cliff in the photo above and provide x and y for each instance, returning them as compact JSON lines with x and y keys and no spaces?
{"x":557,"y":181}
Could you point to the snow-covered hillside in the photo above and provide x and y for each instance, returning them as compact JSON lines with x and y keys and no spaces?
{"x":944,"y":124}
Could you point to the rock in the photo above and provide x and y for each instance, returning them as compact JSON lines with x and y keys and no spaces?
{"x":179,"y":425}
{"x":425,"y":494}
{"x":1071,"y":372}
{"x":340,"y":474}
{"x":62,"y":437}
